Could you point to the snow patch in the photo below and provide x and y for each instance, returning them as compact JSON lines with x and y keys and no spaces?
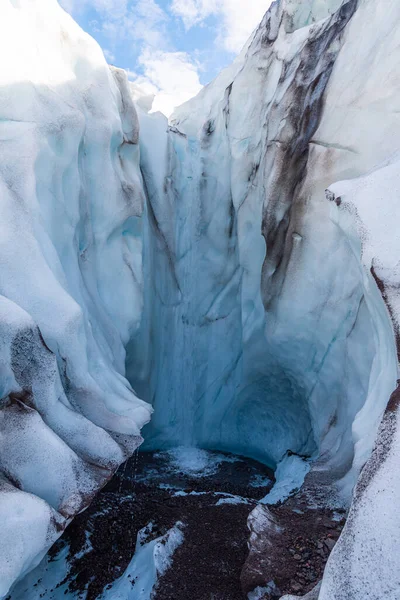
{"x":233,"y":500}
{"x":150,"y":561}
{"x":260,"y":592}
{"x":290,"y":475}
{"x":195,"y":462}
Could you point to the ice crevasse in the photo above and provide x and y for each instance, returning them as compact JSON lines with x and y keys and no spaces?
{"x":237,"y":267}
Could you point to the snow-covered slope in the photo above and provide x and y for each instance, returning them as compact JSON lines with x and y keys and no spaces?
{"x":71,"y":202}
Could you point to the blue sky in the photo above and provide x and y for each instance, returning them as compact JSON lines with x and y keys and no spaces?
{"x":169,"y":47}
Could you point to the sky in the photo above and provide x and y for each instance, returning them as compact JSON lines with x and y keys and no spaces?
{"x":171,"y":48}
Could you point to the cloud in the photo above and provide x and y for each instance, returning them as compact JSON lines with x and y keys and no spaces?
{"x":171,"y":76}
{"x":121,"y":20}
{"x":110,"y":57}
{"x":239,"y":18}
{"x":111,"y":7}
{"x":144,"y":33}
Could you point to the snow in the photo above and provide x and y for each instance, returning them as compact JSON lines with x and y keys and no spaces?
{"x":230,"y":499}
{"x":259,"y":593}
{"x":258,"y":481}
{"x":195,"y":462}
{"x":150,"y":561}
{"x":290,"y":474}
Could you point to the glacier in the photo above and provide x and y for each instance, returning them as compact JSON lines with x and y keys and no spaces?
{"x":71,"y":278}
{"x":227,"y":280}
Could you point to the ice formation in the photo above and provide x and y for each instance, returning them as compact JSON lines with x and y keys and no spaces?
{"x":240,"y":271}
{"x":290,"y":475}
{"x":71,"y":285}
{"x":151,"y":560}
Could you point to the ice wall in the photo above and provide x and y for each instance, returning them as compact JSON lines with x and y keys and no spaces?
{"x":260,"y":343}
{"x":365,"y":561}
{"x":71,"y":201}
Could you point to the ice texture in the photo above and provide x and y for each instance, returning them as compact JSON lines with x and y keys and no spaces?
{"x":71,"y":202}
{"x":151,"y":561}
{"x":290,"y":474}
{"x":236,"y":197}
{"x":305,"y":360}
{"x":203,"y":261}
{"x":196,"y":462}
{"x":366,"y":556}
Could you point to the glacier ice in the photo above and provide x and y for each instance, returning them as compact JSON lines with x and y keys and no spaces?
{"x":258,"y":360}
{"x":290,"y":474}
{"x":71,"y":288}
{"x":368,"y":210}
{"x":306,"y":361}
{"x":203,"y":264}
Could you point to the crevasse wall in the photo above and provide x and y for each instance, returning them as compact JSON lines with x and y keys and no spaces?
{"x":308,"y":339}
{"x":71,"y":199}
{"x":365,"y":562}
{"x":261,"y":341}
{"x":318,"y":317}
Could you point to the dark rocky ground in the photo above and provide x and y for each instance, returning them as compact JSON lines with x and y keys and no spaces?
{"x":293,"y":556}
{"x":213,"y":563}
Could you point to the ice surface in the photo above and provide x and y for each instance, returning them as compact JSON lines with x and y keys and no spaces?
{"x":196,"y":462}
{"x":366,"y":555}
{"x":151,"y":560}
{"x":70,"y":287}
{"x":279,"y":367}
{"x":260,"y":592}
{"x":48,"y":575}
{"x":49,"y":580}
{"x":290,"y":474}
{"x":307,"y":361}
{"x":29,"y":526}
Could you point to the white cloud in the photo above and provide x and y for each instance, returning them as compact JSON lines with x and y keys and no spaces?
{"x":140,"y":21}
{"x":116,"y":7}
{"x":239,"y":18}
{"x":173,"y":77}
{"x":170,"y":76}
{"x":109,"y":56}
